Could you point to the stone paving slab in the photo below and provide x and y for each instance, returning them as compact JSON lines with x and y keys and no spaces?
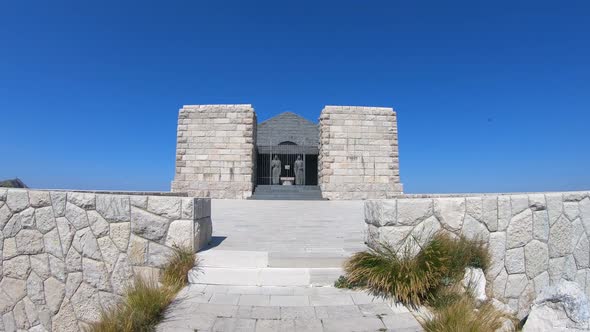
{"x":240,"y":308}
{"x":287,"y":227}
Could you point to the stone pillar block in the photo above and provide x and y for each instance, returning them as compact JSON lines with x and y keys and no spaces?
{"x":358,"y":153}
{"x":215,"y":151}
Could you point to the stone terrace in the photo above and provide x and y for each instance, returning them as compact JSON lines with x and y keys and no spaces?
{"x":271,"y":268}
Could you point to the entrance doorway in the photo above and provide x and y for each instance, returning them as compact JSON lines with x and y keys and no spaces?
{"x":287,"y":153}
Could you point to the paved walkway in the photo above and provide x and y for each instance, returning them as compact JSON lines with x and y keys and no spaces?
{"x":252,"y":308}
{"x":271,"y":268}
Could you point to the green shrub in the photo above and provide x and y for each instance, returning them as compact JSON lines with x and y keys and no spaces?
{"x":462,"y":252}
{"x":444,"y":296}
{"x":343,"y":282}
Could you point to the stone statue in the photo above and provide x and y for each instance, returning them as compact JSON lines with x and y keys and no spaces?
{"x":299,"y":169}
{"x":275,"y":168}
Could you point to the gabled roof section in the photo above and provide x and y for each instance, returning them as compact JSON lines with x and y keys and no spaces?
{"x":289,"y":127}
{"x":286,"y":116}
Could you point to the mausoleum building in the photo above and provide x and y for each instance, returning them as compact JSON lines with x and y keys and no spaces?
{"x":222,"y":152}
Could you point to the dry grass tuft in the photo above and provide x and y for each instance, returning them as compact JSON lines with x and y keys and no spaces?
{"x":143,"y":306}
{"x":461,"y":315}
{"x":175,"y":273}
{"x":145,"y":301}
{"x":409,"y":279}
{"x":415,"y":279}
{"x":430,"y":277}
{"x":461,"y":253}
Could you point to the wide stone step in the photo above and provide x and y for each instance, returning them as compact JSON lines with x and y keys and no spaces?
{"x":302,"y":195}
{"x":287,"y":193}
{"x":265,"y":188}
{"x":233,"y":258}
{"x":283,"y":259}
{"x":258,"y":198}
{"x":307,"y":259}
{"x":304,"y":192}
{"x":264,"y":276}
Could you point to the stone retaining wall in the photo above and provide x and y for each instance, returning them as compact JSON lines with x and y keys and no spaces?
{"x":358,"y":153}
{"x":535,"y":239}
{"x":64,"y":256}
{"x":215,"y":151}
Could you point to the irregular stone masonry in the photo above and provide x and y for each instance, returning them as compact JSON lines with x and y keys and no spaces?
{"x":535,"y":239}
{"x":358,"y":153}
{"x":65,"y":256}
{"x":215,"y":151}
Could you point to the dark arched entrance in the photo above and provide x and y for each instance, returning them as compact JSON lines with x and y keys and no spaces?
{"x":287,"y":136}
{"x":287,"y":154}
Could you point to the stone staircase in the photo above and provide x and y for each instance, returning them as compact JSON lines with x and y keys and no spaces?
{"x":292,"y":192}
{"x":253,"y":268}
{"x":272,"y":266}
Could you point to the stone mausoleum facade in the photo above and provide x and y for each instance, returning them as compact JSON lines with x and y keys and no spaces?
{"x":223,"y":152}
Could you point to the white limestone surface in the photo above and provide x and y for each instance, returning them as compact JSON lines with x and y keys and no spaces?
{"x":535,"y":238}
{"x":358,"y":157}
{"x":215,"y":151}
{"x":65,"y":256}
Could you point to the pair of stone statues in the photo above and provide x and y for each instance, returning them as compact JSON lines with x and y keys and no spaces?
{"x":275,"y":167}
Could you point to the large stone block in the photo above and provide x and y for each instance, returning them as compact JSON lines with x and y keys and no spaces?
{"x":497,"y":249}
{"x":39,"y":198}
{"x":410,"y":212}
{"x":450,"y":212}
{"x":520,"y":229}
{"x":554,"y":206}
{"x":29,"y":242}
{"x":168,"y":207}
{"x":54,"y":293}
{"x":541,"y":225}
{"x":537,"y":258}
{"x":515,"y":285}
{"x":58,"y":202}
{"x":148,"y":225}
{"x":76,"y":216}
{"x":474,"y":230}
{"x":45,"y":220}
{"x":179,"y":234}
{"x":83,"y":200}
{"x":560,"y":235}
{"x":381,"y":212}
{"x":17,"y":267}
{"x":203,"y":231}
{"x":582,"y":253}
{"x":85,"y":243}
{"x":114,"y":208}
{"x":17,"y":199}
{"x":515,"y":261}
{"x":504,"y":212}
{"x":119,"y":234}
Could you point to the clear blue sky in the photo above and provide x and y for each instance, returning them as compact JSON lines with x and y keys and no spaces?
{"x":491,"y":96}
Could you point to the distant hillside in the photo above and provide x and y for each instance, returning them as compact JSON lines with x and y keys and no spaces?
{"x":14,"y":183}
